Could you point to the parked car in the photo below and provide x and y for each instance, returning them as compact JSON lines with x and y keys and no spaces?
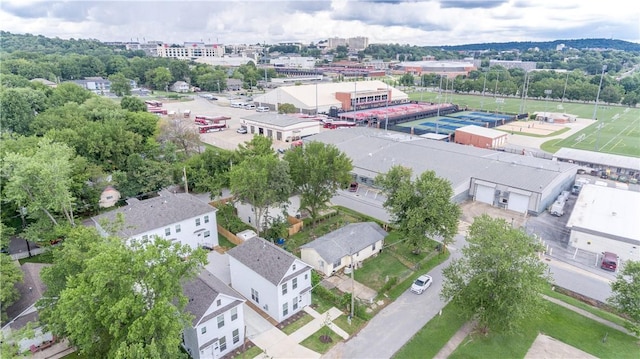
{"x":609,"y":261}
{"x":623,"y":179}
{"x":242,"y":130}
{"x":353,"y":187}
{"x":421,"y":284}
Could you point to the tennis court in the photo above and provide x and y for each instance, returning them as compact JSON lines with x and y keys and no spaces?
{"x":449,"y":123}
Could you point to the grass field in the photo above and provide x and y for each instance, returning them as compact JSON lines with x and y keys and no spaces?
{"x":617,"y":130}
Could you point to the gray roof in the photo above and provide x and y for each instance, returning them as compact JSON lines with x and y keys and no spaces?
{"x":375,"y":151}
{"x":280,"y":120}
{"x":158,"y":212}
{"x":264,"y":258}
{"x":202,"y":291}
{"x":349,"y":239}
{"x":605,"y":159}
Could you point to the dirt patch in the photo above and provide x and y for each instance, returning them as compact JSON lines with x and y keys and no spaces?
{"x":472,"y":209}
{"x":533,"y":127}
{"x":548,"y":347}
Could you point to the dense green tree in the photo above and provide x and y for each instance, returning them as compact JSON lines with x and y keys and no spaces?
{"x":420,"y":208}
{"x":208,"y":171}
{"x":69,"y":92}
{"x":318,"y":170}
{"x":263,"y":182}
{"x":144,"y":123}
{"x":257,"y":146}
{"x":287,"y":108}
{"x":142,"y":175}
{"x":120,"y":85}
{"x":41,"y":181}
{"x":133,"y":104}
{"x":9,"y":272}
{"x":626,"y":295}
{"x":117,"y":300}
{"x":16,"y":115}
{"x":179,"y":70}
{"x":159,"y":78}
{"x":499,"y":280}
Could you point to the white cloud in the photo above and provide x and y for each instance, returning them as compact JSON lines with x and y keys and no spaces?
{"x":428,"y":22}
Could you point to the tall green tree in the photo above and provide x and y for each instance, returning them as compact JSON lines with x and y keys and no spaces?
{"x":120,"y":85}
{"x":263,"y":182}
{"x":318,"y":170}
{"x":133,"y":104}
{"x":159,"y":78}
{"x":257,"y":146}
{"x":114,"y":300}
{"x":420,"y":208}
{"x":499,"y":280}
{"x":69,"y":92}
{"x":9,"y":272}
{"x":40,"y":182}
{"x":626,"y":294}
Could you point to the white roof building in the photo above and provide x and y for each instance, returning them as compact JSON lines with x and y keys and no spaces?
{"x":605,"y":219}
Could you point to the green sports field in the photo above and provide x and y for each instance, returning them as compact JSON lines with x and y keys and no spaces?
{"x":617,"y":130}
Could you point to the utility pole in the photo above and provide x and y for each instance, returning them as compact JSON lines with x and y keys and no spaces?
{"x":353,"y":283}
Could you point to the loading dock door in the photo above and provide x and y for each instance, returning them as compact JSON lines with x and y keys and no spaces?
{"x":485,"y":194}
{"x":518,"y":202}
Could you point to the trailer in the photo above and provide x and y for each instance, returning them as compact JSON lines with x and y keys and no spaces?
{"x":557,"y":208}
{"x":212,"y":128}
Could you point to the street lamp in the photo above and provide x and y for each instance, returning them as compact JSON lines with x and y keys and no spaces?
{"x":546,"y":98}
{"x":595,"y":109}
{"x":386,"y":111}
{"x":484,"y":88}
{"x":564,"y":92}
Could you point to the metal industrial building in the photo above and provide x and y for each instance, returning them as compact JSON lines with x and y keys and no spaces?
{"x":321,"y":97}
{"x":520,"y":183}
{"x":609,"y":163}
{"x":605,"y":219}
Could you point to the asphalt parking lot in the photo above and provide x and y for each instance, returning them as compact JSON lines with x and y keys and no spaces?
{"x":227,"y":139}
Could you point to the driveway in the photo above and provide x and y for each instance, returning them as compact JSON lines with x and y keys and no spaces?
{"x":219,"y":266}
{"x":347,"y":285}
{"x":392,"y":327}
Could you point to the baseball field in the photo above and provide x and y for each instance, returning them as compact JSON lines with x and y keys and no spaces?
{"x":617,"y":130}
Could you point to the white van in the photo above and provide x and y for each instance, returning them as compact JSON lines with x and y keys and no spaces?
{"x":262,"y":109}
{"x":237,"y":104}
{"x":249,"y":106}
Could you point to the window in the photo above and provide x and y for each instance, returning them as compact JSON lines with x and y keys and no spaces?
{"x":178,"y":228}
{"x":294,"y":267}
{"x":295,"y":304}
{"x":197,"y":221}
{"x":306,"y":276}
{"x":207,"y":234}
{"x":337,"y":263}
{"x":206,"y":219}
{"x":220,"y":321}
{"x":294,"y":283}
{"x":236,"y":336}
{"x":284,"y":289}
{"x":373,"y":247}
{"x":218,"y":302}
{"x":285,"y":309}
{"x":255,"y":296}
{"x":234,"y":314}
{"x":203,"y":330}
{"x":223,"y":343}
{"x":167,"y":231}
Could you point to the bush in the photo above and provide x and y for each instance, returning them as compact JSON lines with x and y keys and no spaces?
{"x":389,"y":284}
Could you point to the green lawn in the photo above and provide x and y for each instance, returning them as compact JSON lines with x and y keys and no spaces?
{"x":618,"y":135}
{"x":589,"y":308}
{"x":297,"y":324}
{"x":343,"y":323}
{"x":320,"y":304}
{"x":427,"y":342}
{"x":46,"y":257}
{"x":376,"y":271}
{"x":224,"y":242}
{"x":313,"y":342}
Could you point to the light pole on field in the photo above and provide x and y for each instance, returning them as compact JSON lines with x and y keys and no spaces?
{"x":595,"y":109}
{"x":484,"y":88}
{"x":546,"y":98}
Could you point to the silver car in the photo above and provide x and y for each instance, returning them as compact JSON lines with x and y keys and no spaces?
{"x":421,"y":284}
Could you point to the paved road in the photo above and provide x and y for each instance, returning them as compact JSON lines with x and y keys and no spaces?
{"x":390,"y":329}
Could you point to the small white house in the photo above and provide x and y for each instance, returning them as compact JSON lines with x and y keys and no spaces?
{"x":247,"y":215}
{"x":109,"y":197}
{"x":271,"y":278}
{"x":218,"y":324}
{"x":178,"y":217}
{"x":179,"y":86}
{"x":333,"y":251}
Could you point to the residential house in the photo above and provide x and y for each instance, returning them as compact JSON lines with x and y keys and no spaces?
{"x":246,"y":212}
{"x":24,"y":310}
{"x":270,"y":278}
{"x":179,"y":86}
{"x":109,"y":197}
{"x":97,"y":85}
{"x":334,"y":251}
{"x":234,"y":84}
{"x":178,"y":217}
{"x":218,"y":317}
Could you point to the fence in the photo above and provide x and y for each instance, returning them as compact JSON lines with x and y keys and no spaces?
{"x":295,"y":225}
{"x":230,"y":236}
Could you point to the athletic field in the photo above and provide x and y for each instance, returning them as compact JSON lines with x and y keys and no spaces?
{"x":617,"y":130}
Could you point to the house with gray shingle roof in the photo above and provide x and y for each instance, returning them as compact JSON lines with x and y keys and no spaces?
{"x":218,"y":324}
{"x":333,"y":251}
{"x":178,"y":217}
{"x":273,"y":279}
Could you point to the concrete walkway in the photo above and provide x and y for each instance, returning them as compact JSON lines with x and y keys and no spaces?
{"x":277,"y":344}
{"x":455,"y":340}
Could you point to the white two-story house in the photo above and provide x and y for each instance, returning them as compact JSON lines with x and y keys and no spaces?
{"x":218,"y":324}
{"x":175,"y":216}
{"x":271,"y":278}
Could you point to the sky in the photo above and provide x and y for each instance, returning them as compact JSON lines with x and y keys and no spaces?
{"x":413,"y":22}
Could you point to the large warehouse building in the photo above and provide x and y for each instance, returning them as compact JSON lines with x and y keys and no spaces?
{"x":345,"y":96}
{"x":605,"y":219}
{"x":520,"y":183}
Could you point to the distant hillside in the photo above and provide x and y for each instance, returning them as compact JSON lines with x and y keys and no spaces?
{"x":580,"y":44}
